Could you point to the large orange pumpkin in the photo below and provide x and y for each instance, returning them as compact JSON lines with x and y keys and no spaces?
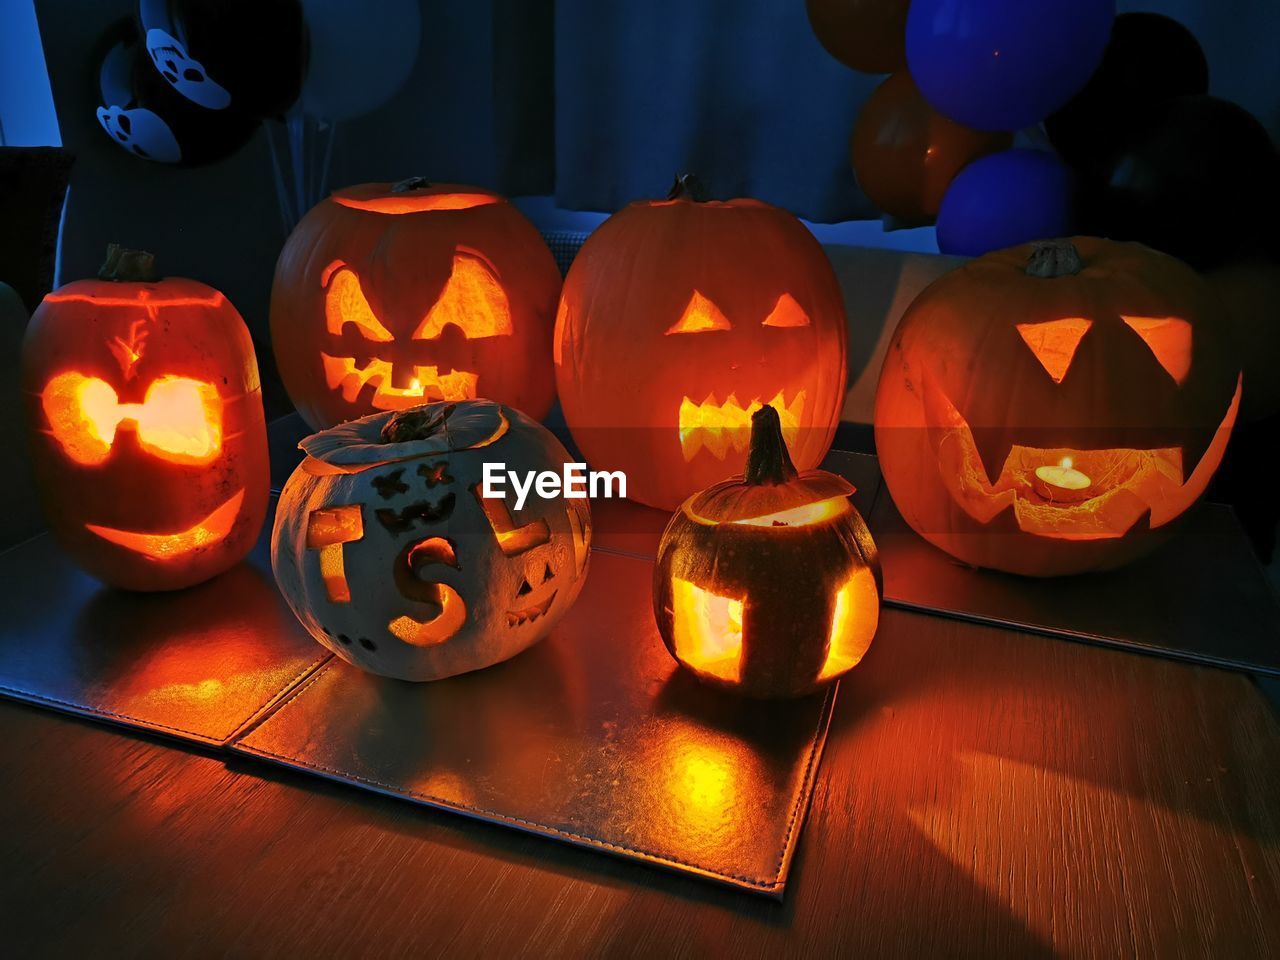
{"x":390,"y":295}
{"x":1054,"y":408}
{"x":146,"y":421}
{"x":682,"y":317}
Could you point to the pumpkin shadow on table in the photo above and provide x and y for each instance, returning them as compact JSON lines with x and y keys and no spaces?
{"x":991,"y":745}
{"x":468,"y":740}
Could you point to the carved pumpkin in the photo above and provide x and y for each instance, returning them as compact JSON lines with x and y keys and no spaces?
{"x":1055,"y":407}
{"x":389,"y":555}
{"x":387,"y":296}
{"x":679,"y":319}
{"x":768,"y":584}
{"x":146,"y":423}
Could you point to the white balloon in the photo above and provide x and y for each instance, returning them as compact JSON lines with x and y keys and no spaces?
{"x":361,"y":54}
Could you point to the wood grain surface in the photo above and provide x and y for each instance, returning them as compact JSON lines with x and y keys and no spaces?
{"x":984,"y":793}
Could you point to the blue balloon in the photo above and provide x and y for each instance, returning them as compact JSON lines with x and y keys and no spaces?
{"x":1005,"y":199}
{"x":1004,"y":64}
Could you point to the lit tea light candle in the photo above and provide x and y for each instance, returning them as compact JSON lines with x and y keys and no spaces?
{"x":1062,"y":481}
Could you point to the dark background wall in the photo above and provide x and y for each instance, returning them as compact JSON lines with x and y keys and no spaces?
{"x":480,"y":107}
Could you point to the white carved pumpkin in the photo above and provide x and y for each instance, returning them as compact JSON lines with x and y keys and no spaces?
{"x":388,"y":554}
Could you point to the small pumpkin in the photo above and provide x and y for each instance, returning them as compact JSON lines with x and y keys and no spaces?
{"x":391,"y":557}
{"x":682,"y":317}
{"x":768,"y":584}
{"x":1054,"y":408}
{"x":390,"y":295}
{"x":147,"y":433}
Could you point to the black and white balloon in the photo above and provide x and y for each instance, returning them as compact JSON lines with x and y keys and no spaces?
{"x":245,"y":55}
{"x":147,"y":117}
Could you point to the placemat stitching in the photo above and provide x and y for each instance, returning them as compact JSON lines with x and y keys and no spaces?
{"x":449,"y":804}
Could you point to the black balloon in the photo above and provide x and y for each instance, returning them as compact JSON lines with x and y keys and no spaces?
{"x":246,"y":55}
{"x":146,"y":117}
{"x":1149,"y":58}
{"x":1197,"y":177}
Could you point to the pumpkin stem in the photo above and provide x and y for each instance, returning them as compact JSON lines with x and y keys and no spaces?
{"x":687,"y":187}
{"x":416,"y":423}
{"x":768,"y":461}
{"x":1050,"y":259}
{"x":410,"y":183}
{"x":128,"y":266}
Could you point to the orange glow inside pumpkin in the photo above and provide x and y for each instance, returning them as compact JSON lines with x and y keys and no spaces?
{"x":167,"y":546}
{"x":854,"y":619}
{"x":427,"y":383}
{"x":722,"y":427}
{"x":700,"y":316}
{"x":581,"y":533}
{"x":806,"y":515}
{"x":1054,"y":342}
{"x":428,"y":633}
{"x":1170,"y":341}
{"x":179,"y":420}
{"x":344,"y":302}
{"x":513,"y":539}
{"x":327,"y":530}
{"x":1123,"y":484}
{"x":472,"y":300}
{"x":707,"y":630}
{"x":399,"y":203}
{"x":786,"y":313}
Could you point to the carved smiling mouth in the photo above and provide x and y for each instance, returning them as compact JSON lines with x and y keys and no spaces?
{"x":427,"y":383}
{"x":1107,"y":492}
{"x":721,"y":427}
{"x":211,"y":530}
{"x":530,"y":614}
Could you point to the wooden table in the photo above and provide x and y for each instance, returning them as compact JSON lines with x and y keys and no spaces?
{"x":984,"y":793}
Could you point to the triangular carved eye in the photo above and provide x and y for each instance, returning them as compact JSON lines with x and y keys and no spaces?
{"x":1170,"y":341}
{"x":786,"y":313}
{"x":700,"y":316}
{"x":1054,"y":342}
{"x":472,"y":300}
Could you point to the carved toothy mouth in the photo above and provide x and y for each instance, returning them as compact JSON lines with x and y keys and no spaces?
{"x":208,"y":532}
{"x":427,"y":383}
{"x":529,"y":614}
{"x":1120,"y":486}
{"x":720,"y":428}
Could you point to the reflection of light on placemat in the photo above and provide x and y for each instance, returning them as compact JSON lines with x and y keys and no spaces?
{"x":703,"y":779}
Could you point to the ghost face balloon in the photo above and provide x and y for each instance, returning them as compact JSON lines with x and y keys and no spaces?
{"x":242,"y":55}
{"x":147,"y":117}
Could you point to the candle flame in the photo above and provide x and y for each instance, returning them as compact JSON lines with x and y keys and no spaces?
{"x":1066,"y":463}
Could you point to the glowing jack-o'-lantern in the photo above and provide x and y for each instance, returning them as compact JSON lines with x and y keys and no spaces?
{"x":682,"y":317}
{"x":148,"y":436}
{"x":391,"y":557}
{"x":768,"y":584}
{"x":387,"y":296}
{"x":1056,"y":407}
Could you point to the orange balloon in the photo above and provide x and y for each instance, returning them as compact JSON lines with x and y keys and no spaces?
{"x":868,"y":35}
{"x":905,"y":154}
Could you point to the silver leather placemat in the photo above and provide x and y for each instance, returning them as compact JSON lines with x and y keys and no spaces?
{"x":591,"y":738}
{"x":198,"y":664}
